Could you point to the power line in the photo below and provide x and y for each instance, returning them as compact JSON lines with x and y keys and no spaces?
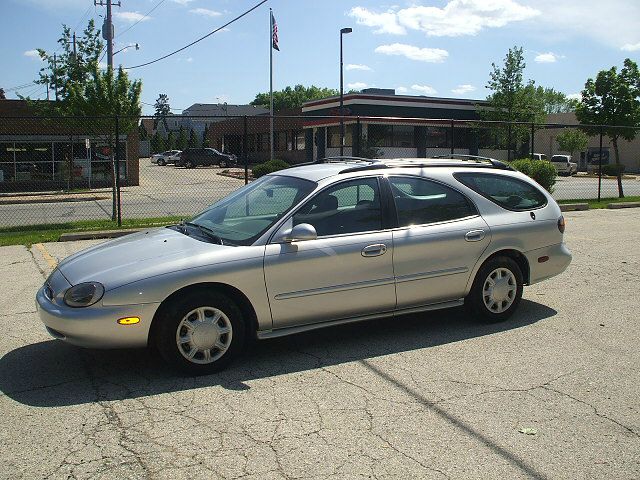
{"x":140,"y":19}
{"x":199,"y":39}
{"x":153,"y":105}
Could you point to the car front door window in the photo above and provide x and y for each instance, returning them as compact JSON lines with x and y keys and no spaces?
{"x":349,"y":207}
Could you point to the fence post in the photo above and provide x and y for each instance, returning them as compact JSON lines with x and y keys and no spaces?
{"x":532,"y":139}
{"x":355,"y":139}
{"x":117,"y":151}
{"x":453,"y":136}
{"x":245,"y":153}
{"x":600,"y":167}
{"x":509,"y":142}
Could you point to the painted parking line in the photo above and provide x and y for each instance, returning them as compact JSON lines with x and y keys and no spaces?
{"x":46,"y":255}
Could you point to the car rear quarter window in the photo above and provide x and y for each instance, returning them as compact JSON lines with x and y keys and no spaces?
{"x":420,"y":201}
{"x":508,"y":192}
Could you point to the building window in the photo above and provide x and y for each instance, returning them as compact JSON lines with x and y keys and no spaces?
{"x":333,"y":136}
{"x":298,"y":142}
{"x":392,"y":135}
{"x":438,"y":137}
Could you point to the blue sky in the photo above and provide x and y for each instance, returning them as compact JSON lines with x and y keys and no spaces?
{"x":440,"y":48}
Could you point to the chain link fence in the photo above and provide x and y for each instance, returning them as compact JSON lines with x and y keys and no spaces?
{"x":63,"y":169}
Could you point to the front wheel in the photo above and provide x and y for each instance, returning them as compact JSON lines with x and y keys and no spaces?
{"x":200,"y":333}
{"x":496,"y":291}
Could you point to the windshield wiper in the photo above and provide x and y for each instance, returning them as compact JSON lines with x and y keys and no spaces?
{"x":207,"y":231}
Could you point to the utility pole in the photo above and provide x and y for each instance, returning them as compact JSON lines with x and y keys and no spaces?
{"x":107,"y":28}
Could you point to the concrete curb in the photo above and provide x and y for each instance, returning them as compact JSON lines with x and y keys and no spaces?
{"x":50,"y":200}
{"x":97,"y":235}
{"x":615,"y":206}
{"x":573,"y":207}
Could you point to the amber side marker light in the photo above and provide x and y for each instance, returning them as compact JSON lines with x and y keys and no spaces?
{"x":128,"y":320}
{"x":562,"y":223}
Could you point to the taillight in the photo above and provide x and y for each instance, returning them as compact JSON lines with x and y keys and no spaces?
{"x":561,"y":224}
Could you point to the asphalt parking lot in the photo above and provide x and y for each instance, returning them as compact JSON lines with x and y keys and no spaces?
{"x":423,"y":396}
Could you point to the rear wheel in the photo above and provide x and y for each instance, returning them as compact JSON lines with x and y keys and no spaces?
{"x":161,"y":162}
{"x":496,"y":290}
{"x":200,"y":333}
{"x":223,"y":164}
{"x":188,"y":164}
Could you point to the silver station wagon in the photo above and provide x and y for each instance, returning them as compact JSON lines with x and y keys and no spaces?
{"x":336,"y":241}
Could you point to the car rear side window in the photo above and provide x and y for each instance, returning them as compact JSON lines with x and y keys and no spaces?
{"x":508,"y":192}
{"x":420,"y":201}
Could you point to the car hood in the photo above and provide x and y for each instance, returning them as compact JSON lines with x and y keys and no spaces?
{"x":140,"y":255}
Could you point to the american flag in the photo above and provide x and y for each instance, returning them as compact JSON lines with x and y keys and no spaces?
{"x":274,"y":33}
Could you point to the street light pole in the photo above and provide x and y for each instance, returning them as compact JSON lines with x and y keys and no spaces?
{"x":342,"y":32}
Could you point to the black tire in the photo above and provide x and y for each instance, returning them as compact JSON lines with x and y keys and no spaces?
{"x":170,"y":319}
{"x":475,"y":301}
{"x":222,"y":164}
{"x":188,"y":164}
{"x":161,"y":162}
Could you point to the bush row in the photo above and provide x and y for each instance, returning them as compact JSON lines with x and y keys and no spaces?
{"x":541,"y":171}
{"x":269,"y":166}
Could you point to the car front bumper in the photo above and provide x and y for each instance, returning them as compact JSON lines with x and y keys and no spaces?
{"x":96,"y":326}
{"x":547,"y":262}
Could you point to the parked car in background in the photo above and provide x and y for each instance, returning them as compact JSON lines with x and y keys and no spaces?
{"x":161,"y":158}
{"x":194,"y":157}
{"x":539,"y":156}
{"x":564,"y":165}
{"x":173,"y":159}
{"x":336,"y":241}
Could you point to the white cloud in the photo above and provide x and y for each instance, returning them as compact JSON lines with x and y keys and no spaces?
{"x":432,"y":55}
{"x":355,"y":66}
{"x":548,"y":57}
{"x":131,"y":17}
{"x":386,"y":22}
{"x":456,"y":18}
{"x":462,"y":89}
{"x":612,"y":23}
{"x":630,"y":47}
{"x":182,"y":2}
{"x":424,"y":89}
{"x":402,"y":89}
{"x":205,"y":12}
{"x":189,"y":59}
{"x":357,"y":85}
{"x":575,"y":96}
{"x":32,"y":54}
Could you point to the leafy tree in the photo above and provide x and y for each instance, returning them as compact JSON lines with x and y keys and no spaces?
{"x":158,"y":143}
{"x":170,"y":143}
{"x":193,"y":139}
{"x":572,"y":140}
{"x":205,"y":137}
{"x":554,"y":101}
{"x":2,"y":94}
{"x":162,"y":107}
{"x":613,"y":99}
{"x":293,"y":97}
{"x":142,"y":132}
{"x":513,"y":100}
{"x":181,"y":142}
{"x":68,"y":70}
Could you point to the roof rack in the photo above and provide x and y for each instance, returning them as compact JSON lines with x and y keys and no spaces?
{"x":480,"y":162}
{"x":344,"y":158}
{"x":492,"y":161}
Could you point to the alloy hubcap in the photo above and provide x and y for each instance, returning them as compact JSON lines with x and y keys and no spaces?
{"x":499,"y":291}
{"x":204,"y":335}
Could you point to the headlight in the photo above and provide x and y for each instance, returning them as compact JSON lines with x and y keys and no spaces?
{"x":84,"y":294}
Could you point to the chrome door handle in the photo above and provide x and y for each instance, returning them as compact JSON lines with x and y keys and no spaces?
{"x":474,"y":236}
{"x":374,"y":250}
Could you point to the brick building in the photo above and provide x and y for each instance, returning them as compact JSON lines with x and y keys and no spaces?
{"x":39,"y":154}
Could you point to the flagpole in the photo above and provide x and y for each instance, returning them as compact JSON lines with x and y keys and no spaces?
{"x":271,"y":82}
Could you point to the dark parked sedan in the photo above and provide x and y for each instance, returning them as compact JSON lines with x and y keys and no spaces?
{"x":193,"y":157}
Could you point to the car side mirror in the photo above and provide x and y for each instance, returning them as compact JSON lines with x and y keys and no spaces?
{"x":299,"y":233}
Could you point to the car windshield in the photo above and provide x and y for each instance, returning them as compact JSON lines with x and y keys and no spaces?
{"x":240,"y":218}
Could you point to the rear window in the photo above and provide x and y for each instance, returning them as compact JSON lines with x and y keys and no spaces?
{"x":508,"y":192}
